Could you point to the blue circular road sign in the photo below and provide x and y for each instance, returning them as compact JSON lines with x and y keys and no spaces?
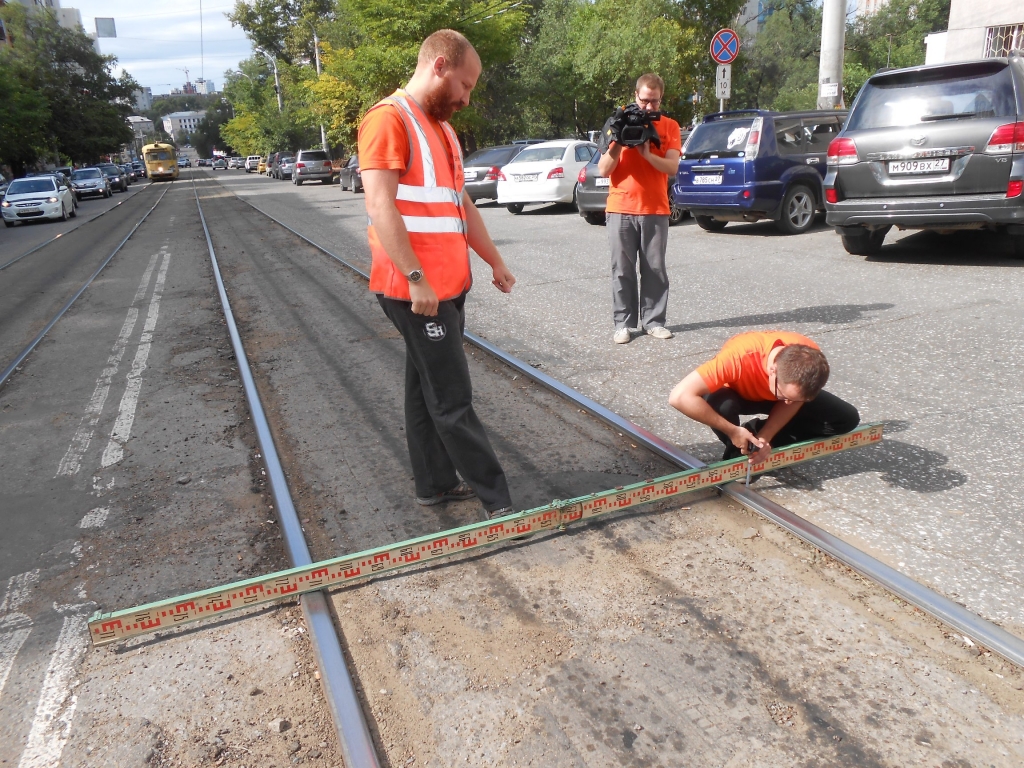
{"x":725,"y":46}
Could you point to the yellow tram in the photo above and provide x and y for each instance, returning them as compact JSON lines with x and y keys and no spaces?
{"x":161,"y":161}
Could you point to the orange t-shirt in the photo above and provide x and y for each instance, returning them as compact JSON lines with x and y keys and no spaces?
{"x":742,"y":363}
{"x":384,"y":141}
{"x":637,"y":187}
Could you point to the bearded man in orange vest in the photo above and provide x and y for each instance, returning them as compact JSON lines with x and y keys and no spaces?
{"x":421,"y":227}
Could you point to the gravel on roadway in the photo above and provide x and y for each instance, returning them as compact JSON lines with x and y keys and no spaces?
{"x":666,"y":636}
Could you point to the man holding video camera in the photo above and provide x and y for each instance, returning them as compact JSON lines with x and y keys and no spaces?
{"x":640,"y":148}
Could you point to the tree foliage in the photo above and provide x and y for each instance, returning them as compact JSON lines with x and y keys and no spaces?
{"x":60,"y":96}
{"x":779,"y":68}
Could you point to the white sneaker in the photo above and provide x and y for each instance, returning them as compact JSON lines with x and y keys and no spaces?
{"x":621,"y":336}
{"x":660,"y":332}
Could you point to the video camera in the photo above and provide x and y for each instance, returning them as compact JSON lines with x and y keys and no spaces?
{"x":630,"y":126}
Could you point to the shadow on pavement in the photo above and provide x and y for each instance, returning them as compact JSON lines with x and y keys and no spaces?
{"x":830,"y":314}
{"x":969,"y":249}
{"x":768,"y":228}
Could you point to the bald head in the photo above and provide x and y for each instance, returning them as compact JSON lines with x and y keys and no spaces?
{"x":452,"y":45}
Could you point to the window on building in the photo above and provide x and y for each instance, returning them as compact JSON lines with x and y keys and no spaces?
{"x":1000,"y":41}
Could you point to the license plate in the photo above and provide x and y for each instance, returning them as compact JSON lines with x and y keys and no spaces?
{"x":526,"y":177}
{"x":471,"y":176}
{"x":602,"y":182}
{"x":937,"y":165}
{"x":701,"y":179}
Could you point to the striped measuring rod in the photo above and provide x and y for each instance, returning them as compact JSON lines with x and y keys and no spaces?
{"x":107,"y":628}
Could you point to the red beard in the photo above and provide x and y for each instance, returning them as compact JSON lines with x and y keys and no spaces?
{"x":439,"y":107}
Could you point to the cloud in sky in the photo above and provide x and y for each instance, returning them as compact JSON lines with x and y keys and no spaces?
{"x":155,"y":42}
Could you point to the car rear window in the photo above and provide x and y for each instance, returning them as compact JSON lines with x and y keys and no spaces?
{"x":721,"y":137}
{"x":491,"y":156}
{"x":539,"y":154}
{"x":929,"y":96}
{"x":29,"y":186}
{"x":313,"y":155}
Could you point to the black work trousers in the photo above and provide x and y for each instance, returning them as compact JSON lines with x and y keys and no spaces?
{"x":444,"y":434}
{"x":824,"y":416}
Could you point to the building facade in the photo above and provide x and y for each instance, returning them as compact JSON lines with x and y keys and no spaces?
{"x":182,"y":122}
{"x":141,"y":126}
{"x":205,"y":87}
{"x":978,"y":31}
{"x":143,"y":99}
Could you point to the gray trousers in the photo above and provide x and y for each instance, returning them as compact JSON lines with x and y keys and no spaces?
{"x":645,"y":238}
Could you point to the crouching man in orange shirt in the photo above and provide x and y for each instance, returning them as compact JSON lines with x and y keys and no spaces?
{"x":776,"y":373}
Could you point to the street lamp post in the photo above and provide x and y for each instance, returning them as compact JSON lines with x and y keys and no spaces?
{"x":277,"y":79}
{"x":316,"y":50}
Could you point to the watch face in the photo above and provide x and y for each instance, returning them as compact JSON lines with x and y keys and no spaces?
{"x":415,"y":276}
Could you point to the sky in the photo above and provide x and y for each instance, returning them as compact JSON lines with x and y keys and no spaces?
{"x":155,"y":42}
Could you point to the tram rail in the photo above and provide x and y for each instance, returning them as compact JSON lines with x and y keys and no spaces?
{"x":950,"y":613}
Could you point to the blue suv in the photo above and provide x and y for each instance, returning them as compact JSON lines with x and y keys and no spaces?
{"x":750,"y":165}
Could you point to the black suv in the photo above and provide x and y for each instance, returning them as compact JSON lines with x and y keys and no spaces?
{"x":938,"y":147}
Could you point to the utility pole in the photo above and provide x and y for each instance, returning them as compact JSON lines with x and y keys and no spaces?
{"x":277,"y":80}
{"x":316,"y":49}
{"x":830,"y":69}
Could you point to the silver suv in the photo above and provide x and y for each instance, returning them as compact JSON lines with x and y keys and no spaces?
{"x":938,"y":147}
{"x":312,"y":165}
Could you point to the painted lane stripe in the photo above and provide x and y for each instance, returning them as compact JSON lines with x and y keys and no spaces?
{"x":94,"y":518}
{"x":72,"y":461}
{"x":114,"y":451}
{"x":51,"y":725}
{"x":14,"y":627}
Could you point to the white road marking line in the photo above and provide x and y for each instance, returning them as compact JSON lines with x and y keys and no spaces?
{"x":17,"y":590}
{"x":72,"y":461}
{"x":94,"y":518}
{"x":114,"y":451}
{"x":51,"y":725}
{"x":14,"y":627}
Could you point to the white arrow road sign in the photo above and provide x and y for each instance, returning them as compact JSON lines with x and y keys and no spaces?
{"x":723,"y":81}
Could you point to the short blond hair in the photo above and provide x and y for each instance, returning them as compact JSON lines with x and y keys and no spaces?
{"x":652,"y":81}
{"x":448,"y":43}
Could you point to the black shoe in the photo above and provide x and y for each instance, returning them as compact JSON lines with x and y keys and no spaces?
{"x":460,"y":492}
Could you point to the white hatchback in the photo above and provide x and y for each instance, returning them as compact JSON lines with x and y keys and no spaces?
{"x":543,"y":173}
{"x":37,"y":197}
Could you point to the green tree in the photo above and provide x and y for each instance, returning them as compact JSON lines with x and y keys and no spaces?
{"x":24,"y":113}
{"x":207,"y":135}
{"x":87,"y":105}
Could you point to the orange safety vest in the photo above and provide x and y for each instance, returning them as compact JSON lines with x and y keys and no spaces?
{"x":430,"y":202}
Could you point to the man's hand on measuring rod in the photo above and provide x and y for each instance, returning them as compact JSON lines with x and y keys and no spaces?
{"x":424,"y":300}
{"x":742,"y":438}
{"x":503,"y":279}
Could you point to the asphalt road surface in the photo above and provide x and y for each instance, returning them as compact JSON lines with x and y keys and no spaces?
{"x":686,"y":633}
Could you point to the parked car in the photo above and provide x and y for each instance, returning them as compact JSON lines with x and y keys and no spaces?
{"x":252,"y":162}
{"x":936,"y":147}
{"x":86,"y":182}
{"x":285,"y":166}
{"x":752,"y":165}
{"x":592,"y":193}
{"x":236,"y":162}
{"x":543,"y":173}
{"x":275,"y":163}
{"x":37,"y":197}
{"x":349,"y":176}
{"x":312,"y":165}
{"x":116,"y":177}
{"x":3,"y":185}
{"x":261,"y":168}
{"x":64,"y":171}
{"x":483,"y":167}
{"x":220,"y":164}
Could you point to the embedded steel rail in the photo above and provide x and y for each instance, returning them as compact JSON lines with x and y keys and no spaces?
{"x":57,"y":237}
{"x":20,"y":357}
{"x":353,"y":734}
{"x":954,"y":615}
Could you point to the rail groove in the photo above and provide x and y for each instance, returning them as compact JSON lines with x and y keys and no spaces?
{"x":954,"y":615}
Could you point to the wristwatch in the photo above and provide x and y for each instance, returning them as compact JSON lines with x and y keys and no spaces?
{"x":415,"y":276}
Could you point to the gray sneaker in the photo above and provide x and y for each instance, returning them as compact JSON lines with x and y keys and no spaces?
{"x":460,"y":492}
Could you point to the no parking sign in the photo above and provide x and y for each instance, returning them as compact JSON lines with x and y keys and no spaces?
{"x":725,"y":46}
